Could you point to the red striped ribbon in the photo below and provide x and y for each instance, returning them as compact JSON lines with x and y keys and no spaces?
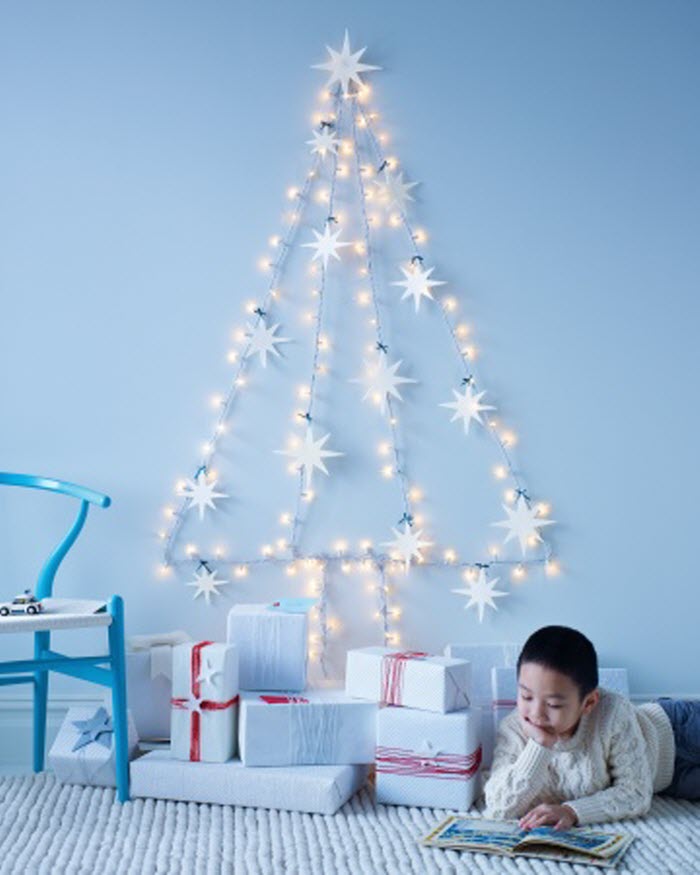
{"x":393,"y":668}
{"x":444,"y":766}
{"x":198,"y":705}
{"x":284,"y":700}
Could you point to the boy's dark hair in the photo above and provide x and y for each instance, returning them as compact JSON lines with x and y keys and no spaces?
{"x":565,"y":650}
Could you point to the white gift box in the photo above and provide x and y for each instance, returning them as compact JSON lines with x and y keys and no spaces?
{"x":204,"y":702}
{"x":314,"y":789}
{"x":149,"y":676}
{"x":318,"y":727}
{"x":429,"y":760}
{"x":93,"y":763}
{"x":407,"y":678}
{"x":272,"y":647}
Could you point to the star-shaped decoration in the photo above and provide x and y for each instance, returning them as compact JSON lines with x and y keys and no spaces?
{"x":407,"y":544}
{"x":393,"y":192}
{"x":427,"y":752}
{"x":98,"y":728}
{"x":344,"y":66}
{"x":468,"y":406}
{"x":481,"y":592}
{"x":202,"y":493}
{"x":381,"y":380}
{"x":324,"y":142}
{"x":310,"y":455}
{"x":207,"y":672}
{"x":418,"y":284}
{"x":263,"y":340}
{"x":326,"y":245}
{"x":206,"y":583}
{"x":522,"y":523}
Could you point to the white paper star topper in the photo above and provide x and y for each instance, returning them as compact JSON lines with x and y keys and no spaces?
{"x":382,"y":380}
{"x":324,"y":142}
{"x":468,"y":406}
{"x":522,"y":523}
{"x":481,"y":592}
{"x":418,"y":284}
{"x":206,"y":583}
{"x":344,"y":66}
{"x":393,"y":192}
{"x":263,"y":340}
{"x":207,"y":672}
{"x":407,"y":544}
{"x":326,"y":245}
{"x":202,"y":493}
{"x":309,"y":455}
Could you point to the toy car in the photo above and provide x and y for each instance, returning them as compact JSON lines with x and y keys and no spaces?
{"x":25,"y":603}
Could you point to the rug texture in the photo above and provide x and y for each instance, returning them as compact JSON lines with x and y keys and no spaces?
{"x":48,"y":827}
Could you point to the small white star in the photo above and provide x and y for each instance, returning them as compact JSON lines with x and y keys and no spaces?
{"x":481,"y":593}
{"x":326,"y":245}
{"x":393,"y":192}
{"x":201,"y":493}
{"x":468,"y":406}
{"x":522,"y":523}
{"x":309,"y":455}
{"x":418,"y":284}
{"x":206,"y":583}
{"x":263,"y":340}
{"x":344,"y":66}
{"x":207,"y":672}
{"x":407,"y":544}
{"x":324,"y":142}
{"x":427,"y":751}
{"x":382,"y":380}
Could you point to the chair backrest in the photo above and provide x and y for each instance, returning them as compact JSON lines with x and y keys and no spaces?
{"x":87,"y":497}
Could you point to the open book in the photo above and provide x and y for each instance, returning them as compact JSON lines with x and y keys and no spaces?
{"x":504,"y":837}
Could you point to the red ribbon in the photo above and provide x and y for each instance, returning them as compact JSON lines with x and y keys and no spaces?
{"x":284,"y":700}
{"x":393,"y":668}
{"x":205,"y":705}
{"x":444,"y":766}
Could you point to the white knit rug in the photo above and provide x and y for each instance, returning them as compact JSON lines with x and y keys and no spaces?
{"x":47,"y":827}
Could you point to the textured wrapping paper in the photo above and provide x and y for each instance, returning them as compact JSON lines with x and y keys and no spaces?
{"x":316,"y":727}
{"x":408,"y":678}
{"x":92,"y":764}
{"x":429,"y":760}
{"x":271,"y":646}
{"x":204,"y":702}
{"x":149,"y":694}
{"x":313,"y":789}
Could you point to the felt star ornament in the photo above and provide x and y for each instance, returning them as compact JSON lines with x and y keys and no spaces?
{"x":207,"y":673}
{"x":344,"y":66}
{"x":393,"y":192}
{"x":206,"y":583}
{"x":309,"y":455}
{"x":382,"y":380}
{"x":263,"y":340}
{"x":324,"y":142}
{"x":522,"y":523}
{"x":418,"y":284}
{"x":202,"y":493}
{"x":326,"y":246}
{"x":468,"y":406}
{"x":98,"y":728}
{"x":407,"y":544}
{"x":482,"y":593}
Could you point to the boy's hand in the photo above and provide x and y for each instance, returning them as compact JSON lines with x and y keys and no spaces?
{"x":560,"y":816}
{"x":541,"y":736}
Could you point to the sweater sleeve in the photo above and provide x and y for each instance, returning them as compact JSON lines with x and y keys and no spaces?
{"x":518,"y":773}
{"x":631,"y":789}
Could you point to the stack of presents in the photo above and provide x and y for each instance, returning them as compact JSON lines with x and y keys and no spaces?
{"x":245,"y":729}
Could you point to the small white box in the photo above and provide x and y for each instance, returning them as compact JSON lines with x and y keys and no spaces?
{"x":149,"y":696}
{"x":272,"y":646}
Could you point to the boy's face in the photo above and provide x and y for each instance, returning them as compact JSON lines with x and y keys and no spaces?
{"x":550,"y":700}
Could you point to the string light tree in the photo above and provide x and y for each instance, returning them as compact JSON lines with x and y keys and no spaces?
{"x":348,"y":158}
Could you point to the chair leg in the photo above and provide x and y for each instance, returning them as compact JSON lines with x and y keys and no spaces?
{"x":41,"y":692}
{"x":119,"y":718}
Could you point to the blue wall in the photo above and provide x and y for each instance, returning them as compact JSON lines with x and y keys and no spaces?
{"x":145,"y":154}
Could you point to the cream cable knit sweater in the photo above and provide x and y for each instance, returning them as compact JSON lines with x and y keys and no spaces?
{"x":619,"y":755}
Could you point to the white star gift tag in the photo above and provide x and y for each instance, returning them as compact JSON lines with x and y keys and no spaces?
{"x":207,"y":673}
{"x":481,"y":592}
{"x":309,"y":455}
{"x":468,"y":406}
{"x":202,"y":493}
{"x":206,"y":583}
{"x":418,"y":283}
{"x":263,"y":340}
{"x":522,"y":523}
{"x":326,"y":246}
{"x":426,"y":752}
{"x":345,"y":67}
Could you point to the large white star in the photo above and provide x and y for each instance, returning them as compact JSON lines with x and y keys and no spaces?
{"x":418,"y":284}
{"x":481,"y":592}
{"x":393,"y":192}
{"x":382,"y":380}
{"x":324,"y":142}
{"x":201,"y":493}
{"x":344,"y":66}
{"x":522,"y":523}
{"x":468,"y":406}
{"x":326,"y":245}
{"x":407,"y":544}
{"x":206,"y":583}
{"x":309,"y":455}
{"x":263,"y":340}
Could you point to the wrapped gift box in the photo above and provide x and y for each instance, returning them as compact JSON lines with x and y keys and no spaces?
{"x":149,"y":677}
{"x":318,"y":727}
{"x":204,"y":702}
{"x":81,"y":754}
{"x":272,"y":647}
{"x":314,"y":789}
{"x":407,"y":678}
{"x":429,"y":760}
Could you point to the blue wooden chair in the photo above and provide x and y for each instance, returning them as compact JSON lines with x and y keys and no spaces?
{"x":108,"y":671}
